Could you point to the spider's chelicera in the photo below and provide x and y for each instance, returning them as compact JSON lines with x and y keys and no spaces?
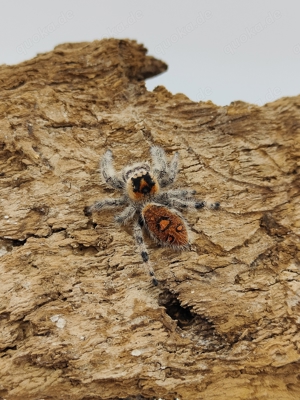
{"x":147,"y":205}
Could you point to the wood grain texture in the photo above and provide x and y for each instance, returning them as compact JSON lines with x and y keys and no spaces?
{"x":79,"y":318}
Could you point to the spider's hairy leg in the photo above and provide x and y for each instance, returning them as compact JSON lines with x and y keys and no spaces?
{"x":165,"y":173}
{"x":159,"y":162}
{"x":102,"y":204}
{"x":138,"y":235}
{"x":125,"y":215}
{"x":182,"y":203}
{"x":183,"y":194}
{"x":108,"y":172}
{"x":173,"y":168}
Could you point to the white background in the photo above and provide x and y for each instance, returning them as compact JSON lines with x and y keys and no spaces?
{"x":219,"y":50}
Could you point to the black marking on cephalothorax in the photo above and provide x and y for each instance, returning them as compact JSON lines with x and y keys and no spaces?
{"x":137,"y":184}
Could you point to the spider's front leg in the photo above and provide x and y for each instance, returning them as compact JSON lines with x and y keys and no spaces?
{"x":165,"y":173}
{"x":159,"y":162}
{"x":172,"y":173}
{"x":138,"y":235}
{"x":108,"y":172}
{"x":102,"y":204}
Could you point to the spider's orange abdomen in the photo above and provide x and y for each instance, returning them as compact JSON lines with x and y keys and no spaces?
{"x":165,"y":226}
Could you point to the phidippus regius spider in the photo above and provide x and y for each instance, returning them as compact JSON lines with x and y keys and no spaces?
{"x":146,"y":204}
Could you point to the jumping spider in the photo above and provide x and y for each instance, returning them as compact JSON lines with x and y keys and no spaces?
{"x":146,"y":204}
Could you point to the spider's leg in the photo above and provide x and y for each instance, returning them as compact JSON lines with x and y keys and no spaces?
{"x":166,"y":174}
{"x":182,"y":194}
{"x":159,"y":162}
{"x":172,"y":171}
{"x":183,"y":204}
{"x":125,"y":215}
{"x":190,"y":204}
{"x":138,"y":235}
{"x":108,"y":172}
{"x":106,"y":203}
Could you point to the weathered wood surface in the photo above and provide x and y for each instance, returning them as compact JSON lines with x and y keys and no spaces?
{"x":79,"y":317}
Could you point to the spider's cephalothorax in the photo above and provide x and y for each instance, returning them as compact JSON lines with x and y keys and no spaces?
{"x":140,"y":182}
{"x":147,"y":205}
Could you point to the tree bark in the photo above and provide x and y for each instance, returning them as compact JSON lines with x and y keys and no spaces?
{"x":80,"y":318}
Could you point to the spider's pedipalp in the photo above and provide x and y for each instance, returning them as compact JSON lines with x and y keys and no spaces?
{"x":125,"y":215}
{"x":108,"y":172}
{"x":106,"y":203}
{"x":138,"y":235}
